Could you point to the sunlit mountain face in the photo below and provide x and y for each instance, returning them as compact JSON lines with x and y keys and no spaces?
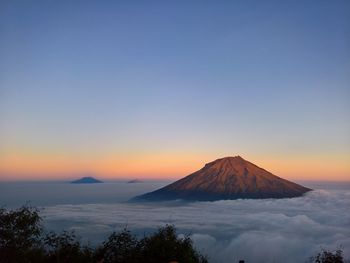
{"x":227,"y":178}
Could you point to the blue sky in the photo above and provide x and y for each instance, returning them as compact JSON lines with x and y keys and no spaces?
{"x":213,"y":78}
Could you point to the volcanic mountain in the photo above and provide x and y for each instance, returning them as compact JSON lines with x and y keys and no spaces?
{"x":87,"y":180}
{"x":227,"y":178}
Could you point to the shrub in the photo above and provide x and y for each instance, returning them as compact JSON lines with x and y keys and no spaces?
{"x":20,"y":235}
{"x":22,"y":240}
{"x":326,"y":256}
{"x":65,"y":248}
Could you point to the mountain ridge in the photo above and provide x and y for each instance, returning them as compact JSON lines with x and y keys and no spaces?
{"x":86,"y":180}
{"x":227,"y":178}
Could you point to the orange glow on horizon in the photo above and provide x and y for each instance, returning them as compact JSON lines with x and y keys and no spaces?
{"x":161,"y":166}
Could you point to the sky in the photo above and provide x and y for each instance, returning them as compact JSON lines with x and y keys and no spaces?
{"x":156,"y":89}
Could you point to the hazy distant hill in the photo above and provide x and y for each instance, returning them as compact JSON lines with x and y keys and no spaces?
{"x":227,"y":178}
{"x":86,"y":180}
{"x":133,"y":181}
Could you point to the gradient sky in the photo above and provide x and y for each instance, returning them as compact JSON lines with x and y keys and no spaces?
{"x":158,"y":88}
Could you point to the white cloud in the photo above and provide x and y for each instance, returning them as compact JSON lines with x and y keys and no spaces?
{"x":283,"y":230}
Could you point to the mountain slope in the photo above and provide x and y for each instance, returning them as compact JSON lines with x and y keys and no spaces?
{"x":227,"y":178}
{"x":87,"y":180}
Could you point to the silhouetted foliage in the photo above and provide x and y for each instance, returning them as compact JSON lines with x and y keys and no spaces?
{"x":65,"y":248}
{"x":162,"y":246}
{"x":326,"y":256}
{"x":165,"y":246}
{"x":119,"y":247}
{"x":20,"y":235}
{"x":22,"y":240}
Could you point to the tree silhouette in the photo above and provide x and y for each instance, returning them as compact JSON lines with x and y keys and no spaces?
{"x":20,"y":235}
{"x":326,"y":256}
{"x":65,"y":248}
{"x":119,"y":248}
{"x":165,"y":246}
{"x":22,"y":240}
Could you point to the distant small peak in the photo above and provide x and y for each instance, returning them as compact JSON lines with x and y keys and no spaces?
{"x":86,"y":180}
{"x":134,"y":181}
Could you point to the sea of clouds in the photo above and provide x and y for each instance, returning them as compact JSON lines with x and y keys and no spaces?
{"x":271,"y":230}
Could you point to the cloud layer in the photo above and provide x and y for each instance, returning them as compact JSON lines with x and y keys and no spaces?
{"x":284,"y":230}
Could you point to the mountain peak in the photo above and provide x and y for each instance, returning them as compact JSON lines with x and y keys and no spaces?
{"x":228,"y":160}
{"x":86,"y":180}
{"x":228,"y":178}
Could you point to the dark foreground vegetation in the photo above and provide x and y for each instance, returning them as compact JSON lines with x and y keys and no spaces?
{"x":23,"y":240}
